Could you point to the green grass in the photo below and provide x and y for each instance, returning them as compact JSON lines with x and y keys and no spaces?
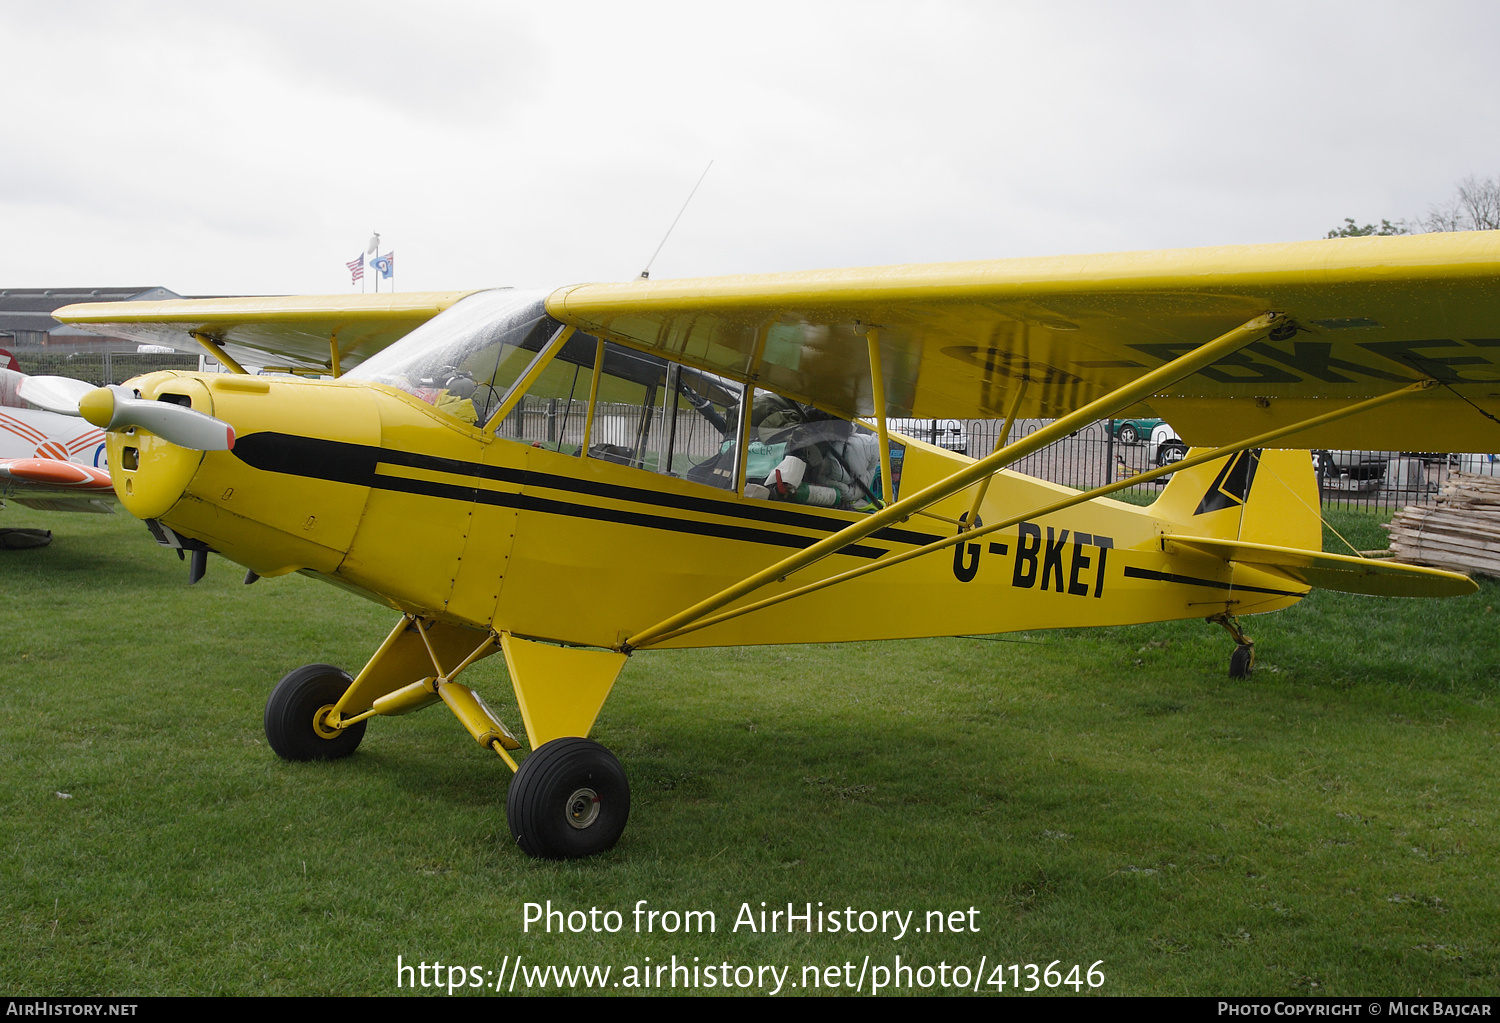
{"x":1328,"y":827}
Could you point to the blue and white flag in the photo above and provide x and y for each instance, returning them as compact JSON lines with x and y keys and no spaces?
{"x":384,"y":265}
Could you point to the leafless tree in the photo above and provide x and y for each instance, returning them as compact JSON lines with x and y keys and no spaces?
{"x":1476,"y":207}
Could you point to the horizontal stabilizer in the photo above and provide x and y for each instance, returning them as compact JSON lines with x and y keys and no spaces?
{"x":1336,"y":571}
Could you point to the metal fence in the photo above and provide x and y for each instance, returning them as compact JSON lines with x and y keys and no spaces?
{"x":100,"y":367}
{"x":1102,"y":452}
{"x":1097,"y":454}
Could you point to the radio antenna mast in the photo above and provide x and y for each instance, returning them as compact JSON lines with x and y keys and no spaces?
{"x":646,"y":273}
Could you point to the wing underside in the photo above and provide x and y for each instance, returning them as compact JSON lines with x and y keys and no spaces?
{"x":50,"y":484}
{"x":956,"y":340}
{"x":290,"y":331}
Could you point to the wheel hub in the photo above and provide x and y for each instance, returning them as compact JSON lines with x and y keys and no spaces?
{"x":321,"y":725}
{"x":583,"y":808}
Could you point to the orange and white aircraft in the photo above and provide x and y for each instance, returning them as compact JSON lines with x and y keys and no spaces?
{"x":47,"y":461}
{"x":567,"y":476}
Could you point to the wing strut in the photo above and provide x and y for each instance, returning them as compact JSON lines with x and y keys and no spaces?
{"x":1101,"y":408}
{"x":877,"y":388}
{"x":1259,"y":441}
{"x":218,"y":352}
{"x":984,"y":484}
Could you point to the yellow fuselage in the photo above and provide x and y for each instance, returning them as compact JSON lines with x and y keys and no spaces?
{"x":375,"y":490}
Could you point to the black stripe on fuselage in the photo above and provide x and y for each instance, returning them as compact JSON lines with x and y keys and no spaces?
{"x":1170,"y":577}
{"x":342,"y":462}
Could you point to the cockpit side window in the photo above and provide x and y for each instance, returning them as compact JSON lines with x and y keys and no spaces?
{"x":663,"y":417}
{"x":554,"y":410}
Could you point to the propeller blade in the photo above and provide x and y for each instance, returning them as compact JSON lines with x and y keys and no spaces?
{"x":55,"y":394}
{"x":116,"y":407}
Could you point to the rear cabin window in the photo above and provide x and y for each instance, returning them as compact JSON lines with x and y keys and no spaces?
{"x":803,"y":455}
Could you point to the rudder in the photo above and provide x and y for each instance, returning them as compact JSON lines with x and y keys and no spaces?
{"x":1258,"y":496}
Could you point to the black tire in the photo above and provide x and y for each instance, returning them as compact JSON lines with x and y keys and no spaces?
{"x":1128,"y":434}
{"x":569,"y":799}
{"x":296,"y":701}
{"x":1241,"y":660}
{"x":1171,"y":451}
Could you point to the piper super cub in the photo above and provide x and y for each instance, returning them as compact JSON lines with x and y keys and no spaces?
{"x":566,"y":476}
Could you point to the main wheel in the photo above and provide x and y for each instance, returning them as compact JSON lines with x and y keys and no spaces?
{"x":295,"y":715}
{"x":569,"y":799}
{"x":1128,"y":434}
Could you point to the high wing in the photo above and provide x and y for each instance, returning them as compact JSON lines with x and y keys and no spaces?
{"x":317,"y":332}
{"x":1366,"y":316}
{"x":1362,"y":317}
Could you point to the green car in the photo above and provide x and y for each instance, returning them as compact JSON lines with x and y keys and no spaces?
{"x":1130,"y":431}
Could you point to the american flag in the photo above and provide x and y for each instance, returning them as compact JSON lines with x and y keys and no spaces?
{"x":356,"y":269}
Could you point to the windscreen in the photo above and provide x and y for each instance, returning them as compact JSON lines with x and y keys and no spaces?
{"x":464,"y":359}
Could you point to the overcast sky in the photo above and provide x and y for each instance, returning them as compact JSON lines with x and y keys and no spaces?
{"x":252,"y":147}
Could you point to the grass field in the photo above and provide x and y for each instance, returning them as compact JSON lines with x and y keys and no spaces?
{"x":1328,"y":827}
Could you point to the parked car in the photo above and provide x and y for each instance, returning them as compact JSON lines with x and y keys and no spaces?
{"x":1130,"y":431}
{"x":1165,"y":446}
{"x":950,"y":434}
{"x":1352,"y":470}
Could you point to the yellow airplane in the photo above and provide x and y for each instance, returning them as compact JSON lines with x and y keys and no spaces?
{"x":568,"y":476}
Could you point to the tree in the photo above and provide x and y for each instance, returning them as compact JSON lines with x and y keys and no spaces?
{"x":1476,"y":207}
{"x":1353,"y":230}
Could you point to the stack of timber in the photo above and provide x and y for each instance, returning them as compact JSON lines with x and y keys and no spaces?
{"x":1461,"y":532}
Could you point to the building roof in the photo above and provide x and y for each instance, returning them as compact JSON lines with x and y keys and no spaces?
{"x":30,"y":309}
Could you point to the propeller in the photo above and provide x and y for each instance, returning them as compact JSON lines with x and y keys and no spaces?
{"x":116,"y":407}
{"x":55,"y":394}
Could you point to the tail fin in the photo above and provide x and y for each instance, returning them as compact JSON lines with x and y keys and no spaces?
{"x":1265,"y":497}
{"x":1259,"y":511}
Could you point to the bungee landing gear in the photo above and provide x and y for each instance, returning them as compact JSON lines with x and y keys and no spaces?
{"x":569,"y":798}
{"x":1242,"y":659}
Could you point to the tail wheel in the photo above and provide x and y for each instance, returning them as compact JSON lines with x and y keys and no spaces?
{"x":569,"y":799}
{"x":1241,"y":660}
{"x":297,"y":713}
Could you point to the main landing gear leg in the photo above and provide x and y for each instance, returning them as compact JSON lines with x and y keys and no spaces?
{"x":1243,"y":657}
{"x":570,"y":797}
